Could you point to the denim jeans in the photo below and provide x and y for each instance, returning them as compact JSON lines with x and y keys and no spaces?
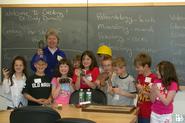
{"x":143,"y":120}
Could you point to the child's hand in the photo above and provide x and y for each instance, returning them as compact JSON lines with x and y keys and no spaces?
{"x":97,"y":82}
{"x":84,"y":79}
{"x":146,"y":93}
{"x":109,"y":89}
{"x":116,"y":90}
{"x":47,"y":101}
{"x":110,"y":75}
{"x":58,"y":80}
{"x":139,"y":87}
{"x":41,"y":101}
{"x":155,"y":90}
{"x":71,"y":80}
{"x":123,"y":92}
{"x":6,"y":73}
{"x":77,"y":72}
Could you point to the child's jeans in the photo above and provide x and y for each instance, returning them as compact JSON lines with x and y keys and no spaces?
{"x":143,"y":120}
{"x":164,"y":118}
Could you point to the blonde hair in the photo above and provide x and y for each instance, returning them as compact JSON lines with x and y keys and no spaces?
{"x":143,"y":59}
{"x":119,"y":62}
{"x":51,"y":32}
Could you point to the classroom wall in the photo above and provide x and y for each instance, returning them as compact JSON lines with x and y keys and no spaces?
{"x":81,"y":1}
{"x":0,"y":43}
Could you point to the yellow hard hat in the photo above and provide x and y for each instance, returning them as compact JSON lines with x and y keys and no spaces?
{"x":104,"y":50}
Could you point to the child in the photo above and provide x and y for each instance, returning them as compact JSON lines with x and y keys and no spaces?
{"x":14,"y":81}
{"x":145,"y":77}
{"x":123,"y":92}
{"x":61,"y":84}
{"x":76,"y":62}
{"x":163,"y":95}
{"x":107,"y":71}
{"x":104,"y":80}
{"x":103,"y":51}
{"x":86,"y":76}
{"x":38,"y":86}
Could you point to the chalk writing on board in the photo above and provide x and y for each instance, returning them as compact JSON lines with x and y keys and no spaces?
{"x":125,"y":19}
{"x":125,"y":30}
{"x":137,"y":39}
{"x":150,"y":29}
{"x":119,"y":17}
{"x":177,"y":17}
{"x":143,"y":19}
{"x":26,"y":30}
{"x":177,"y":26}
{"x":127,"y":50}
{"x":38,"y":16}
{"x":120,"y":38}
{"x":13,"y":32}
{"x":116,"y":28}
{"x":177,"y":30}
{"x":178,"y":43}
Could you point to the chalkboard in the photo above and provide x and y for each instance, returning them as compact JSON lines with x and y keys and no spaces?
{"x":23,"y":28}
{"x":157,"y":30}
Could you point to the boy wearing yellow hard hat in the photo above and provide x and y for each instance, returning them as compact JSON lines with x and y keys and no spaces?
{"x":103,"y":81}
{"x":102,"y":52}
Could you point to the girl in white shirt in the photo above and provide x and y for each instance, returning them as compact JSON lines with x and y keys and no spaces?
{"x":14,"y":81}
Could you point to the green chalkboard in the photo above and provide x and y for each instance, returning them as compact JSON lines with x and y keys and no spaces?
{"x":23,"y":28}
{"x":158,"y":30}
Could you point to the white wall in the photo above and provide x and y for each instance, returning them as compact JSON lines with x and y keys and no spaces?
{"x":80,"y":1}
{"x":179,"y":103}
{"x":0,"y":44}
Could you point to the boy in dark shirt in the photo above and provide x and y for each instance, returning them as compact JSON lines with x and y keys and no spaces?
{"x":38,"y":86}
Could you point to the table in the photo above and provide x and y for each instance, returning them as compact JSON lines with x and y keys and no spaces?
{"x":73,"y":112}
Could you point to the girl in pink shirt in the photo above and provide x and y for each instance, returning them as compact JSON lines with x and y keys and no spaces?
{"x":62,"y":83}
{"x":163,"y":92}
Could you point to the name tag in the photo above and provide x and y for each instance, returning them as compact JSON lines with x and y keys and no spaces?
{"x":59,"y":58}
{"x":88,"y":77}
{"x":148,"y":79}
{"x":37,"y":80}
{"x":116,"y":97}
{"x":159,"y":85}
